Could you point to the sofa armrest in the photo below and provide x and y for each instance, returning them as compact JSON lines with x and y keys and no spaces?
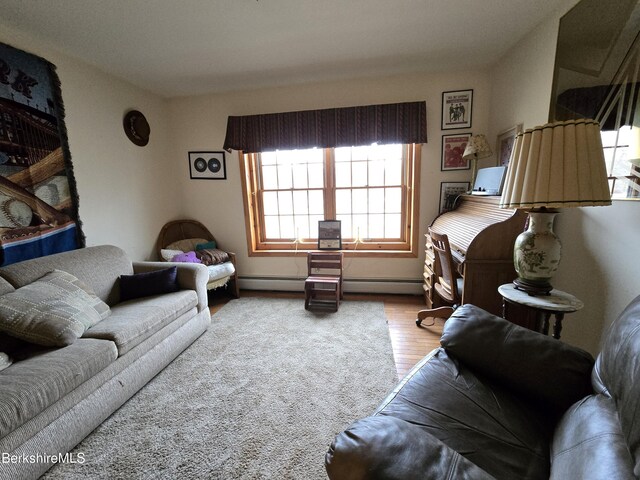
{"x":383,"y":447}
{"x":534,"y":365}
{"x":191,"y":276}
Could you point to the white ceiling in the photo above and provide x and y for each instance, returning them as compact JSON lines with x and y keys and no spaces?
{"x":186,"y":47}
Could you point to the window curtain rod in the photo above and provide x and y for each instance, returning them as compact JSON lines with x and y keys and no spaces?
{"x":328,"y":128}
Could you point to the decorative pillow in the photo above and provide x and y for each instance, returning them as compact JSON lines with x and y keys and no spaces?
{"x":209,"y":245}
{"x":213,"y":256}
{"x":187,"y":257}
{"x":186,"y":245}
{"x":52,"y":311}
{"x":167,"y":255}
{"x":146,"y":284}
{"x":5,"y":361}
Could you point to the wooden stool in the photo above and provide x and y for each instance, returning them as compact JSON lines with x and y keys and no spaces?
{"x":323,"y":287}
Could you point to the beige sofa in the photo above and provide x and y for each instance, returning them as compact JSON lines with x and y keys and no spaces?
{"x":51,"y":398}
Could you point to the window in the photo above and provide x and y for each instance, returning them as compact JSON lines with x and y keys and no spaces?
{"x":372,"y":190}
{"x":623,"y":170}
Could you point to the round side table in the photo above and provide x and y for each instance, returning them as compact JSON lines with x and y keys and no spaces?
{"x":557,"y":303}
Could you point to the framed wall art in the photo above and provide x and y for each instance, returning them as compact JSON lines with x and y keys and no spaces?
{"x":504,"y":144}
{"x":207,"y":166}
{"x":452,"y":149}
{"x":329,"y":235}
{"x":457,"y":109}
{"x":449,"y":191}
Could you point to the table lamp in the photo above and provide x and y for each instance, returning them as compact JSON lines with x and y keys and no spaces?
{"x":556,"y":165}
{"x":477,"y":148}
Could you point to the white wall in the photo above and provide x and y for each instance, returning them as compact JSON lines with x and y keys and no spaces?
{"x":200,"y":123}
{"x":126,"y":192}
{"x":598,"y":265}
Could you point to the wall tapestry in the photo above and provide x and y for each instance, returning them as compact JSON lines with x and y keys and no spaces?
{"x":38,"y":196}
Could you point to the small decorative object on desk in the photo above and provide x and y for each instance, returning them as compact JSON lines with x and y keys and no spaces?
{"x":557,"y":303}
{"x":329,"y":235}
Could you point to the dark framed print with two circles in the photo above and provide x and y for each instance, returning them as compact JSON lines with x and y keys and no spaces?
{"x":207,"y":166}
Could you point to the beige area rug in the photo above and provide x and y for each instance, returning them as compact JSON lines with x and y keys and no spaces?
{"x":259,"y":396}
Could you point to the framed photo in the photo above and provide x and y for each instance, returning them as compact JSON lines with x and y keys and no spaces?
{"x":329,"y":235}
{"x":504,"y":144}
{"x":207,"y":166}
{"x":452,"y":149}
{"x":449,"y":191}
{"x":457,"y":108}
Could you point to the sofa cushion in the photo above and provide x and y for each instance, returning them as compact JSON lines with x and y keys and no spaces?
{"x":29,"y":386}
{"x":501,"y":433}
{"x":98,"y":267}
{"x":146,"y":284}
{"x":52,"y":311}
{"x":527,"y":362}
{"x":589,"y":443}
{"x":134,"y":321}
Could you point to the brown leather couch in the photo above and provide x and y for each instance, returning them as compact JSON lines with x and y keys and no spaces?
{"x":497,"y":401}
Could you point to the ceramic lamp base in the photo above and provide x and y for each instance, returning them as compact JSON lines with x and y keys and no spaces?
{"x":534,"y":289}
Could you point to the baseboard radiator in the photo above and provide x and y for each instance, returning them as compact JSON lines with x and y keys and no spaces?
{"x":292,"y":284}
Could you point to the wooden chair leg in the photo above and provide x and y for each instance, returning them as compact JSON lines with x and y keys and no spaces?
{"x":440,"y":312}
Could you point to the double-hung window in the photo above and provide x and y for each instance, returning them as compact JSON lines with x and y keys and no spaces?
{"x":372,"y":190}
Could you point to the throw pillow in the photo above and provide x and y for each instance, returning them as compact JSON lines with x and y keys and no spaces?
{"x":146,"y":284}
{"x":167,"y":254}
{"x":52,"y":311}
{"x":187,"y":244}
{"x":186,"y":257}
{"x":209,"y":245}
{"x":5,"y":361}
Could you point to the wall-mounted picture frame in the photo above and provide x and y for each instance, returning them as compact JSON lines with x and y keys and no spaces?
{"x":329,"y":235}
{"x":504,"y":144}
{"x":457,"y":109}
{"x":207,"y":166}
{"x":449,"y":191}
{"x":452,"y":149}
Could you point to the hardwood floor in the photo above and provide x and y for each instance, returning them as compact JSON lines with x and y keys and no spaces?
{"x":410,"y":343}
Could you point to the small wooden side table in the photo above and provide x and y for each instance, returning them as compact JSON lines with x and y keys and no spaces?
{"x":557,"y":303}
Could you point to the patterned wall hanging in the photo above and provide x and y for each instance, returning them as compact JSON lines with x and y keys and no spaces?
{"x":38,"y":196}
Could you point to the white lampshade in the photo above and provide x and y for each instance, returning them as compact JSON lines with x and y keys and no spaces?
{"x":557,"y":165}
{"x":477,"y":148}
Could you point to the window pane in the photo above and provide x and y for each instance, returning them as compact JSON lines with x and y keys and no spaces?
{"x":376,"y":226}
{"x":360,"y":153}
{"x":300,"y":203}
{"x":393,"y":172}
{"x":359,"y":204}
{"x":268,"y":158}
{"x":342,"y":154}
{"x":376,"y":173}
{"x":285,"y":203}
{"x":345,"y":224}
{"x":272,"y":227}
{"x":376,"y":200}
{"x":313,"y":225}
{"x":270,"y":203}
{"x":390,"y":151}
{"x":302,"y":226}
{"x":359,"y":174}
{"x":343,"y":201}
{"x":392,"y":224}
{"x":316,"y":175}
{"x":287,"y":229}
{"x":284,"y":176}
{"x":360,"y":226}
{"x":343,"y":174}
{"x":393,"y":200}
{"x":269,"y":178}
{"x":300,"y":176}
{"x":316,"y":202}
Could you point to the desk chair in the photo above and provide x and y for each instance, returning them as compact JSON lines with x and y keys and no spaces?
{"x":449,"y":284}
{"x":323,"y":287}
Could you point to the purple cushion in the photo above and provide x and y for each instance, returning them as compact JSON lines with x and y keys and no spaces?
{"x":186,"y":257}
{"x":145,"y":284}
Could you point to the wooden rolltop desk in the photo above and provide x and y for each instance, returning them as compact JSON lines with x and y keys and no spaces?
{"x":481,"y":235}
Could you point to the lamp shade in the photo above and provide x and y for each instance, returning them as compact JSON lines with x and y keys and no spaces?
{"x":477,"y":148}
{"x":557,"y":165}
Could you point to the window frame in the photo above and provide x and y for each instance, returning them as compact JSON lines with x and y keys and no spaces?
{"x":254,"y":220}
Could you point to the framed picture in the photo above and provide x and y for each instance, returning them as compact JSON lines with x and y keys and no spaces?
{"x":449,"y":191}
{"x":207,"y":166}
{"x":329,"y":235}
{"x":452,"y":149}
{"x":504,"y":144}
{"x":457,"y":108}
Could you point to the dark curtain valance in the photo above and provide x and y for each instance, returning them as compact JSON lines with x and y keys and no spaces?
{"x":331,"y":127}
